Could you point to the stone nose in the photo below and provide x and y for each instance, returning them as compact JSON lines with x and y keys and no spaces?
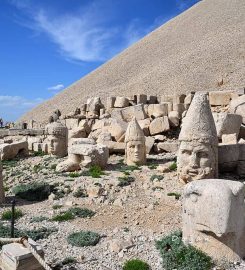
{"x":194,"y":160}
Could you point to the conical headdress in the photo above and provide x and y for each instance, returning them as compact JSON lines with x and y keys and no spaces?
{"x":199,"y":122}
{"x":134,"y":132}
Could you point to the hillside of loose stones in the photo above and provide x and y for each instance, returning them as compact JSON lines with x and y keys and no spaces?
{"x":128,"y":218}
{"x":170,"y":60}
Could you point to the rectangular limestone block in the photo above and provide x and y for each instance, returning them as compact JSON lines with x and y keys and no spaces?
{"x":228,"y":156}
{"x":152,"y":99}
{"x":159,"y":125}
{"x":121,"y":102}
{"x":229,"y":138}
{"x":171,"y":147}
{"x":72,"y":123}
{"x":179,"y":99}
{"x":158,"y":110}
{"x":15,"y":256}
{"x":127,"y":114}
{"x":166,"y":98}
{"x":141,"y":99}
{"x":149,"y":142}
{"x":110,"y":101}
{"x":180,"y":108}
{"x":218,"y":98}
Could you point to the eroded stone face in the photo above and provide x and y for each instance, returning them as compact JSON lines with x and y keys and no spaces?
{"x":135,"y":144}
{"x":213,"y":217}
{"x":135,"y":152}
{"x":196,"y":161}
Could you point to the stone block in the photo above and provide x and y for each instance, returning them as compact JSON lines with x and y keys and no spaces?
{"x":227,"y":123}
{"x":149,"y":142}
{"x":16,"y":257}
{"x":188,"y":99}
{"x":174,"y":118}
{"x":141,"y":99}
{"x":71,"y":123}
{"x":180,"y":108}
{"x":179,"y":99}
{"x":242,"y":132}
{"x":115,"y":147}
{"x":144,"y":124}
{"x":237,"y":106}
{"x":121,"y":102}
{"x":159,"y":125}
{"x":229,"y":138}
{"x":127,"y":114}
{"x":10,"y":151}
{"x":228,"y":156}
{"x":152,"y":99}
{"x":166,"y":98}
{"x":219,"y":98}
{"x":171,"y":147}
{"x":157,"y":110}
{"x":110,"y":101}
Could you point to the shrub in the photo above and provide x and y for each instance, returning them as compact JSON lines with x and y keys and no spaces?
{"x":136,"y":264}
{"x":39,"y":153}
{"x":158,"y":177}
{"x":37,"y":168}
{"x":95,"y":171}
{"x":63,"y":216}
{"x":173,"y":166}
{"x":152,"y":166}
{"x":125,"y":181}
{"x":7,"y":214}
{"x":39,"y":219}
{"x":57,"y":206}
{"x":41,"y":233}
{"x":80,"y":192}
{"x":81,"y":212}
{"x":32,"y":192}
{"x":83,"y":239}
{"x":176,"y":195}
{"x":176,"y":255}
{"x":74,"y":174}
{"x":69,"y":260}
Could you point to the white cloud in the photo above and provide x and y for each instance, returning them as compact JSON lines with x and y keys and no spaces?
{"x":57,"y":87}
{"x":12,"y":107}
{"x":86,"y":35}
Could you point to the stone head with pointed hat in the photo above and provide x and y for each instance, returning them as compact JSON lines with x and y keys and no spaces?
{"x":198,"y":152}
{"x":135,"y":144}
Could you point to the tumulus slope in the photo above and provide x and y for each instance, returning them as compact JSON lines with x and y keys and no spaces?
{"x":201,"y":49}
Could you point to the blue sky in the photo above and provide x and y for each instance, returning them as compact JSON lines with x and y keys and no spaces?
{"x":46,"y":45}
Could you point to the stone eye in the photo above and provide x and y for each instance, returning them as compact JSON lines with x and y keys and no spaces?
{"x":194,"y":197}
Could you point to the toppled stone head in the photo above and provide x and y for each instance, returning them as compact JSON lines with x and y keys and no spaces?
{"x":213,"y":217}
{"x":198,"y":152}
{"x":56,"y":139}
{"x":135,"y":144}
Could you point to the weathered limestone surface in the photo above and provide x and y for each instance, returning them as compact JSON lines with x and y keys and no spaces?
{"x":174,"y":118}
{"x":16,"y":257}
{"x":238,"y":106}
{"x":157,"y":110}
{"x":128,"y":113}
{"x":171,"y":147}
{"x":121,"y":102}
{"x":227,"y":123}
{"x":198,"y":152}
{"x":135,"y":144}
{"x":218,"y":228}
{"x":228,"y":157}
{"x":229,"y":138}
{"x":159,"y":125}
{"x":10,"y":151}
{"x":219,"y":98}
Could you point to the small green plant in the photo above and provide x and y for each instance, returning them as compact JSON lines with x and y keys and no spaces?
{"x":152,"y":166}
{"x":74,"y":174}
{"x":80,"y":193}
{"x":126,"y":229}
{"x":39,"y":219}
{"x":38,"y":153}
{"x":69,"y":260}
{"x":136,"y":264}
{"x":173,"y":166}
{"x":81,"y":212}
{"x":83,"y":239}
{"x":35,"y":191}
{"x":125,"y":181}
{"x":63,"y":216}
{"x":7,"y":214}
{"x":95,"y":171}
{"x":176,"y":255}
{"x":53,"y":166}
{"x":157,"y":177}
{"x":37,"y":168}
{"x":174,"y":194}
{"x":37,"y":234}
{"x":9,"y":163}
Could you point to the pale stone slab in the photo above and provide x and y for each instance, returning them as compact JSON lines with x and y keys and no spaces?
{"x":219,"y":98}
{"x":159,"y":125}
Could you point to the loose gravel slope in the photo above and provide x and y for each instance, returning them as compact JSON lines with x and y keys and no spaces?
{"x":194,"y":51}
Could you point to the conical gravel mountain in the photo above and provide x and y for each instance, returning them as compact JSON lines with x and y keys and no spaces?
{"x":201,"y":49}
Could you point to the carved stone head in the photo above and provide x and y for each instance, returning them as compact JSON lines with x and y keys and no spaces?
{"x":198,"y":151}
{"x":135,"y":144}
{"x":213,"y":217}
{"x":56,"y":139}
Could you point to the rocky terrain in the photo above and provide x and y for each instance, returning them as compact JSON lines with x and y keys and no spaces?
{"x":201,"y":49}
